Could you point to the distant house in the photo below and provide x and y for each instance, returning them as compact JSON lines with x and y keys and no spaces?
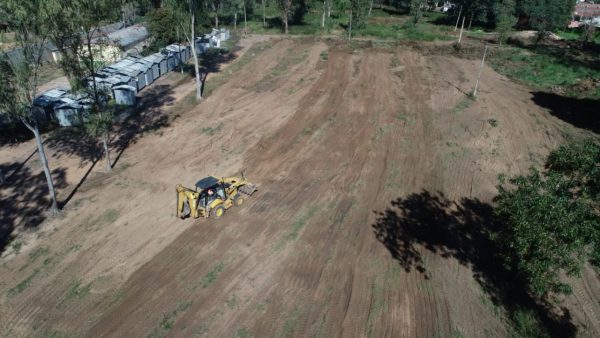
{"x":115,"y":45}
{"x":585,"y":14}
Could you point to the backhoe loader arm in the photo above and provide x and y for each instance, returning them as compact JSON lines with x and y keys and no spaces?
{"x":187,"y":202}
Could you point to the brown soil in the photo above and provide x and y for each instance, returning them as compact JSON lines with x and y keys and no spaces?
{"x":347,"y":148}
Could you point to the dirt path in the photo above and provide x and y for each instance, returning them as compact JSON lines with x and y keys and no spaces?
{"x":340,"y":143}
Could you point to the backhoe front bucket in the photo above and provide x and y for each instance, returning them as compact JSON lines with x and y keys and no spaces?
{"x":247,"y":189}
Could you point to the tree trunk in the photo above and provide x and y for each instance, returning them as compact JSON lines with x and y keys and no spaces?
{"x":323,"y":16}
{"x":44,"y":161}
{"x":196,"y":63}
{"x":328,"y":8}
{"x":470,"y":21}
{"x":245,"y":20}
{"x":284,"y":17}
{"x":264,"y":14}
{"x":216,"y":20}
{"x":371,"y":8}
{"x":235,"y":21}
{"x":105,"y":140}
{"x":350,"y":27}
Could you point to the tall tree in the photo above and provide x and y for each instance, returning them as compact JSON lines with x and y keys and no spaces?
{"x":416,"y":10}
{"x":20,"y":74}
{"x":505,"y":18}
{"x":162,"y":27}
{"x":285,"y":7}
{"x":360,"y":9}
{"x":217,"y":8}
{"x":546,"y":15}
{"x":552,"y":218}
{"x":186,"y":12}
{"x":75,"y":30}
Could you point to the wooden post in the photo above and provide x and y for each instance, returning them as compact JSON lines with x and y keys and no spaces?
{"x":480,"y":69}
{"x":461,"y":30}
{"x":458,"y":19}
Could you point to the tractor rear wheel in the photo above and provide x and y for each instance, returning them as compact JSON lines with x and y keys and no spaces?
{"x":217,"y":212}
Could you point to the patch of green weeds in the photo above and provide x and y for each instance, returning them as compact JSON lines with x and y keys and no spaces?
{"x":243,"y":333}
{"x":212,"y":275}
{"x":380,"y":132}
{"x":538,"y":68}
{"x":526,"y":324}
{"x":24,"y":284}
{"x":394,"y":62}
{"x":232,"y":302}
{"x":456,"y":333}
{"x":109,"y":216}
{"x":168,"y":320}
{"x":493,"y":122}
{"x":324,"y":55}
{"x":297,"y":225}
{"x":289,"y":326}
{"x":210,"y":131}
{"x":461,"y":106}
{"x":16,"y":246}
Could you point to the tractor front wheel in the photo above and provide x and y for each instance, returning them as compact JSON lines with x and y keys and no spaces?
{"x":238,"y":200}
{"x":217,"y":212}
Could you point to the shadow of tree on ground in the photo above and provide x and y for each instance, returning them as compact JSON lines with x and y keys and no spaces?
{"x":24,"y":200}
{"x":460,"y":230}
{"x":581,"y":113}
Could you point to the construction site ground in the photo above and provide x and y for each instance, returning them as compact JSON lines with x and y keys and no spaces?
{"x":375,"y":171}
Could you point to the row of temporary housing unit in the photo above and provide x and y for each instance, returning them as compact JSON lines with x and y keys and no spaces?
{"x":122,"y":80}
{"x":211,"y":40}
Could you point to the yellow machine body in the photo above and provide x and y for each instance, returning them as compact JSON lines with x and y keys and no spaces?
{"x":212,"y":196}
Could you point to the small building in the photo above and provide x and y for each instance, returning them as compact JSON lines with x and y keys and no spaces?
{"x":45,"y":103}
{"x":202,"y":44}
{"x":123,"y":67}
{"x":146,"y":71}
{"x":222,"y":34}
{"x":68,"y":112}
{"x":586,"y":14}
{"x":215,"y":41}
{"x":124,"y":95}
{"x":172,"y":60}
{"x":156,"y":60}
{"x":179,"y":51}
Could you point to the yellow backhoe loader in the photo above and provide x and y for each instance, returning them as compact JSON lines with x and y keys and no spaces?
{"x":212,"y":196}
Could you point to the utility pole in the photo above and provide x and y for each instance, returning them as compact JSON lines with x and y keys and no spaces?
{"x":480,"y":69}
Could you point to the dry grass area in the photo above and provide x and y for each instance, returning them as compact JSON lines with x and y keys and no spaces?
{"x":369,"y":161}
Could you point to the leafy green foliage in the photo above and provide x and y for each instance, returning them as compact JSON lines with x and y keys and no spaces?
{"x":525,"y":324}
{"x":541,"y":70}
{"x":360,"y":9}
{"x":162,"y":27}
{"x":505,"y":18}
{"x":551,"y":223}
{"x":547,"y":15}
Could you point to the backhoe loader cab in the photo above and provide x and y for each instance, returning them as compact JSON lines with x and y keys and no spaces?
{"x":212,"y":196}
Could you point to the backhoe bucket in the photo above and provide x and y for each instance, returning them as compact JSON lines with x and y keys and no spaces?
{"x":247,"y":189}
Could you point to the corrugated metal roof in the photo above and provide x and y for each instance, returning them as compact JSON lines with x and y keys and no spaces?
{"x":128,"y":36}
{"x":127,"y":87}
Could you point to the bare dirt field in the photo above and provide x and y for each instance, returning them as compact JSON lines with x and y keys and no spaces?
{"x":375,"y":174}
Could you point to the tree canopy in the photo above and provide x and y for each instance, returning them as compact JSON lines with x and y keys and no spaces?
{"x":551,"y":218}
